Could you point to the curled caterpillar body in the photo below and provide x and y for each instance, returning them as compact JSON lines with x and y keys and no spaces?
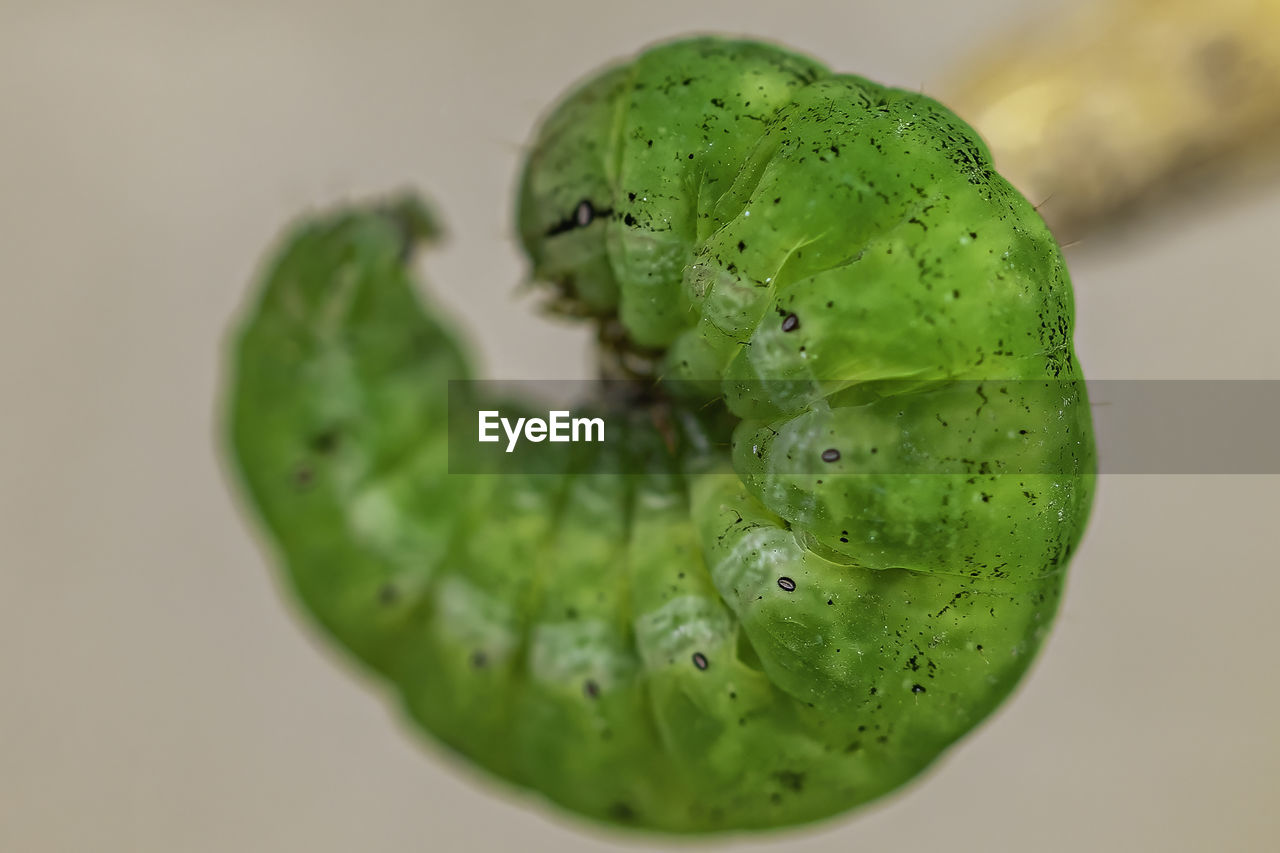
{"x":840,"y":560}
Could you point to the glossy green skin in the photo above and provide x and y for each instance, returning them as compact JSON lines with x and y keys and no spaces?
{"x":621,"y":643}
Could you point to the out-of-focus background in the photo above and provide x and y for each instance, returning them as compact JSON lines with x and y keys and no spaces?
{"x":159,"y":691}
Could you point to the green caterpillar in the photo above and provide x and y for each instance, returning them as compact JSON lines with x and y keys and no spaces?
{"x":840,"y":553}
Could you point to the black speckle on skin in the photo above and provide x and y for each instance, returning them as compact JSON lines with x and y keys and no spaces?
{"x":622,"y":813}
{"x":790,"y":779}
{"x":583,"y":215}
{"x":388,"y":594}
{"x":790,"y":323}
{"x":591,"y":689}
{"x":831,"y":455}
{"x":787,"y":584}
{"x":700,"y":660}
{"x":917,"y":688}
{"x":325,"y":442}
{"x":479,"y":660}
{"x":303,"y":476}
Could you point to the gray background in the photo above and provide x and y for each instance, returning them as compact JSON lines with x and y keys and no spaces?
{"x":159,"y":693}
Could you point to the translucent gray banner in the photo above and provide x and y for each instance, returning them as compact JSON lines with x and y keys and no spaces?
{"x":881,"y":428}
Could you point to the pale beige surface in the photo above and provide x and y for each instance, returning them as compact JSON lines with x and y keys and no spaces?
{"x":157,"y":693}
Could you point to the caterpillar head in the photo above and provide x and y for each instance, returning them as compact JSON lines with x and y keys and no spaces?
{"x":625,"y":175}
{"x":567,"y":198}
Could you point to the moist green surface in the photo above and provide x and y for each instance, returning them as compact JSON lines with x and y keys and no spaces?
{"x":766,"y":626}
